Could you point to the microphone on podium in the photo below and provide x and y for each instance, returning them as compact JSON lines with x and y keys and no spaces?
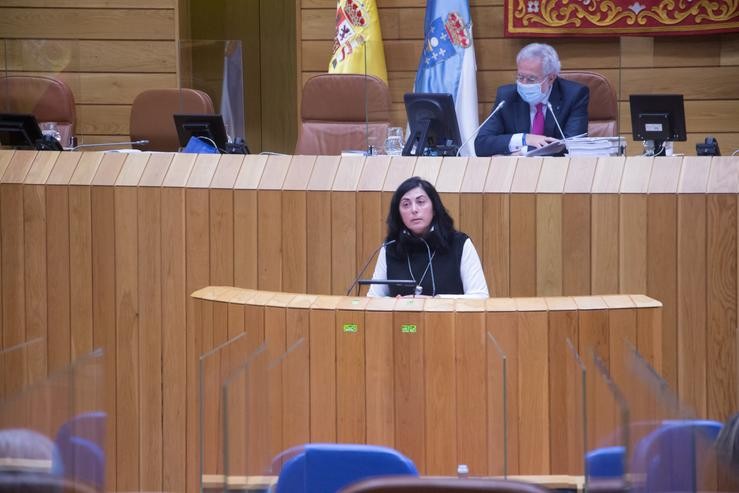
{"x":366,"y":264}
{"x":564,"y":137}
{"x":108,"y":144}
{"x":500,"y":105}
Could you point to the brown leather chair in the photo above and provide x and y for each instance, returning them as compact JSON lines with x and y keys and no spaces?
{"x":152,"y":115}
{"x":338,"y":109}
{"x":412,"y":484}
{"x":49,"y":100}
{"x":603,"y":106}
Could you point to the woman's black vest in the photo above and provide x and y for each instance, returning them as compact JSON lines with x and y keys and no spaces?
{"x":446,"y":275}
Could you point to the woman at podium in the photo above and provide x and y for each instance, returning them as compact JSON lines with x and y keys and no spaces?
{"x":422,"y":246}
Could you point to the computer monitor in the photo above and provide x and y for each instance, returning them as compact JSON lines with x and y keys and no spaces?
{"x":19,"y":131}
{"x":208,"y":126}
{"x":658,"y":118}
{"x":433,"y":125}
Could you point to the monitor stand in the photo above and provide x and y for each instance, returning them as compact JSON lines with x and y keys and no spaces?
{"x":657,"y":148}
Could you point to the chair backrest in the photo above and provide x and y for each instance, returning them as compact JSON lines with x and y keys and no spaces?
{"x":603,"y":106}
{"x":667,"y":457}
{"x":48,"y":99}
{"x":343,"y":112}
{"x":441,"y":485}
{"x":80,"y":452}
{"x":152,"y":115}
{"x":327,"y":467}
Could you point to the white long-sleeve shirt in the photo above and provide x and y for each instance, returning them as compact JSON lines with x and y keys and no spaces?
{"x":470,"y":269}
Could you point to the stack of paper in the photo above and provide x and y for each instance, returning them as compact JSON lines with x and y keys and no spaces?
{"x":596,"y":146}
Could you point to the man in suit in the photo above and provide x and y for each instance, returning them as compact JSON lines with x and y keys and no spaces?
{"x":525,"y":121}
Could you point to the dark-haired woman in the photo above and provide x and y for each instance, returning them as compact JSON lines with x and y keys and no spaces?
{"x":422,"y":245}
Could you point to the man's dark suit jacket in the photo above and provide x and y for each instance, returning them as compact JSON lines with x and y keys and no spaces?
{"x":569,"y":100}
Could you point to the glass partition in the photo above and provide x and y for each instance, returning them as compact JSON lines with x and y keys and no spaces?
{"x":41,"y":77}
{"x":53,"y":427}
{"x":497,"y":384}
{"x":573,"y":432}
{"x":215,"y":67}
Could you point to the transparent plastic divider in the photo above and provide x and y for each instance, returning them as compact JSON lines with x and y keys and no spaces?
{"x":57,"y":59}
{"x":672,"y":450}
{"x":59,"y":420}
{"x":216,"y":68}
{"x":214,"y":367}
{"x":608,"y":441}
{"x":497,"y":386}
{"x":575,"y":429}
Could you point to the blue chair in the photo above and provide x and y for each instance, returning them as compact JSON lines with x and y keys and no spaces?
{"x":667,"y":457}
{"x":327,"y":468}
{"x":605,"y":462}
{"x":80,"y":452}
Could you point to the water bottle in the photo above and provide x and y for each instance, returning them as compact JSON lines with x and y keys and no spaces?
{"x":50,"y":128}
{"x":394,"y":141}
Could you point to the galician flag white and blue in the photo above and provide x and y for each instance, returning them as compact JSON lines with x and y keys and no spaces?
{"x":448,"y":62}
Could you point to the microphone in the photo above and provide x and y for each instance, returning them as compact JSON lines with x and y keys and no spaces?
{"x":366,"y":264}
{"x":500,"y":105}
{"x":549,"y":105}
{"x":106,"y":144}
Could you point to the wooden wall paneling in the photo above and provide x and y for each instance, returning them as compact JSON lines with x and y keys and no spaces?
{"x":294,"y":227}
{"x":128,"y":370}
{"x":622,"y":336}
{"x":5,"y":157}
{"x":566,"y":396}
{"x":222,"y":220}
{"x":441,"y":387}
{"x":351,"y":391}
{"x":380,"y":368}
{"x":175,"y":336}
{"x":275,"y":338}
{"x":370,"y":229}
{"x":57,"y":258}
{"x":470,"y":219}
{"x":81,"y":281}
{"x":296,"y":412}
{"x":604,"y":226}
{"x":428,"y":169}
{"x":721,"y":290}
{"x":410,"y":387}
{"x":269,"y":234}
{"x":533,"y":404}
{"x":522,"y":249}
{"x":150,"y":325}
{"x":496,"y":250}
{"x":318,"y":205}
{"x":646,"y":403}
{"x":593,"y":341}
{"x":245,"y":221}
{"x":472,"y":394}
{"x":662,"y":274}
{"x":323,"y":374}
{"x":632,"y":260}
{"x":401,"y":168}
{"x":576,"y":244}
{"x":691,"y":300}
{"x":343,"y":240}
{"x":549,"y":275}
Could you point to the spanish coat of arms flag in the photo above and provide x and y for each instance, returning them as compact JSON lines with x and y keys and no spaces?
{"x":358,"y":45}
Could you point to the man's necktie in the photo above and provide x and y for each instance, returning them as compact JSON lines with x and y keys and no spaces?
{"x":537,"y":126}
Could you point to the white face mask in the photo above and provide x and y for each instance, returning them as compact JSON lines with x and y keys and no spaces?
{"x":531,"y":93}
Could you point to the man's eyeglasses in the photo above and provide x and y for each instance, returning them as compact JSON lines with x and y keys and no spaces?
{"x":530,"y":79}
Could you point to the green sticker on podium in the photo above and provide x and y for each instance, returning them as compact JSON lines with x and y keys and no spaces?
{"x":408,"y":328}
{"x":353,"y":328}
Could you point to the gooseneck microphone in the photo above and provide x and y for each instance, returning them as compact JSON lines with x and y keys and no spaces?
{"x":564,"y":137}
{"x":108,"y":144}
{"x":366,"y":264}
{"x":492,"y":113}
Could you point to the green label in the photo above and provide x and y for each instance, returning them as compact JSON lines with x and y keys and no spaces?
{"x":408,"y":328}
{"x":353,"y":328}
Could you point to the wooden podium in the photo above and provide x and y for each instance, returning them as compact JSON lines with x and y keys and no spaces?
{"x":425,"y":376}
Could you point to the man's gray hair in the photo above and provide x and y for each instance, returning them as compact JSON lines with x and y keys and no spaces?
{"x":545,"y":53}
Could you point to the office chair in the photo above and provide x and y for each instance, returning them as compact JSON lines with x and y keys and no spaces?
{"x":49,"y":100}
{"x":342,"y":112}
{"x":602,"y":107}
{"x":328,"y":467}
{"x":152,"y":115}
{"x":79,"y":443}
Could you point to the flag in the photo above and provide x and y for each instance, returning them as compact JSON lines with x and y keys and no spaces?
{"x":448,"y":62}
{"x":358,"y":43}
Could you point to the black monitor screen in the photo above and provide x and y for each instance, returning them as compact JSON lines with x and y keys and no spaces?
{"x":19,"y":130}
{"x":657,"y":117}
{"x":208,"y":126}
{"x":433,"y":125}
